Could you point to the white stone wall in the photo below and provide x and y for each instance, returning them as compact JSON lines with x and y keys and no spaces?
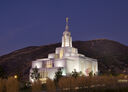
{"x":37,"y":63}
{"x":71,"y":64}
{"x":59,"y":63}
{"x":66,"y":52}
{"x":51,"y":72}
{"x":51,"y":55}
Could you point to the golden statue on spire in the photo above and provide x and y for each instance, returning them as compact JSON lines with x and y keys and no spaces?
{"x":66,"y":28}
{"x":66,"y":20}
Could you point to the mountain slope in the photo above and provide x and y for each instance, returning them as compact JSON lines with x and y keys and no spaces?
{"x":112,"y":56}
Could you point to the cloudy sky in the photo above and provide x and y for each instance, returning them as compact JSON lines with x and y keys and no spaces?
{"x":40,"y":22}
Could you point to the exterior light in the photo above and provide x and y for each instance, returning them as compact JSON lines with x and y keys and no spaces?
{"x":15,"y":76}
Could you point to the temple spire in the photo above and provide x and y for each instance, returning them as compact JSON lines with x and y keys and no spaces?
{"x":66,"y":28}
{"x":66,"y":38}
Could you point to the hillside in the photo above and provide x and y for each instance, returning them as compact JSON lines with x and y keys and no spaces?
{"x":112,"y":56}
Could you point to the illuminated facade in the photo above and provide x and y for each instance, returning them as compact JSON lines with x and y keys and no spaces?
{"x":65,"y":57}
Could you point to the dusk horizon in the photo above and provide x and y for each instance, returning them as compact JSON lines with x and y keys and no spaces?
{"x":55,"y":43}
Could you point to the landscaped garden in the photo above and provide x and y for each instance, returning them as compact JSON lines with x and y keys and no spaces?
{"x":68,"y":84}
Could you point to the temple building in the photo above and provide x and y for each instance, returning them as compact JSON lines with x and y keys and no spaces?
{"x":65,"y":57}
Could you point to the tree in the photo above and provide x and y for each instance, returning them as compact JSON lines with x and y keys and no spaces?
{"x":2,"y":72}
{"x":75,"y":73}
{"x":58,"y":75}
{"x":91,"y":74}
{"x":35,"y":74}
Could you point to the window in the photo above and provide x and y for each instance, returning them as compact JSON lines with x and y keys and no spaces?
{"x":49,"y":64}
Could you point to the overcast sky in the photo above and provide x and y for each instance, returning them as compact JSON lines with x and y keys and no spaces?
{"x":40,"y":22}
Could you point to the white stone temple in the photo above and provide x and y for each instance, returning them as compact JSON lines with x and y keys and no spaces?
{"x":65,"y":57}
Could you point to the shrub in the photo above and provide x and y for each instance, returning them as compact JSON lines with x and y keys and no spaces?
{"x":64,"y":83}
{"x":36,"y":86}
{"x":12,"y":85}
{"x":50,"y":85}
{"x":81,"y":81}
{"x":2,"y":85}
{"x":68,"y":83}
{"x":58,"y":75}
{"x":75,"y":73}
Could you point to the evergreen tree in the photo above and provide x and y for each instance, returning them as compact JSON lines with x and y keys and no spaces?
{"x":91,"y":74}
{"x":58,"y":75}
{"x":75,"y":73}
{"x":2,"y":72}
{"x":35,"y":74}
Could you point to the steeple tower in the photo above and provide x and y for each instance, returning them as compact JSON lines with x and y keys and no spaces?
{"x":66,"y":38}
